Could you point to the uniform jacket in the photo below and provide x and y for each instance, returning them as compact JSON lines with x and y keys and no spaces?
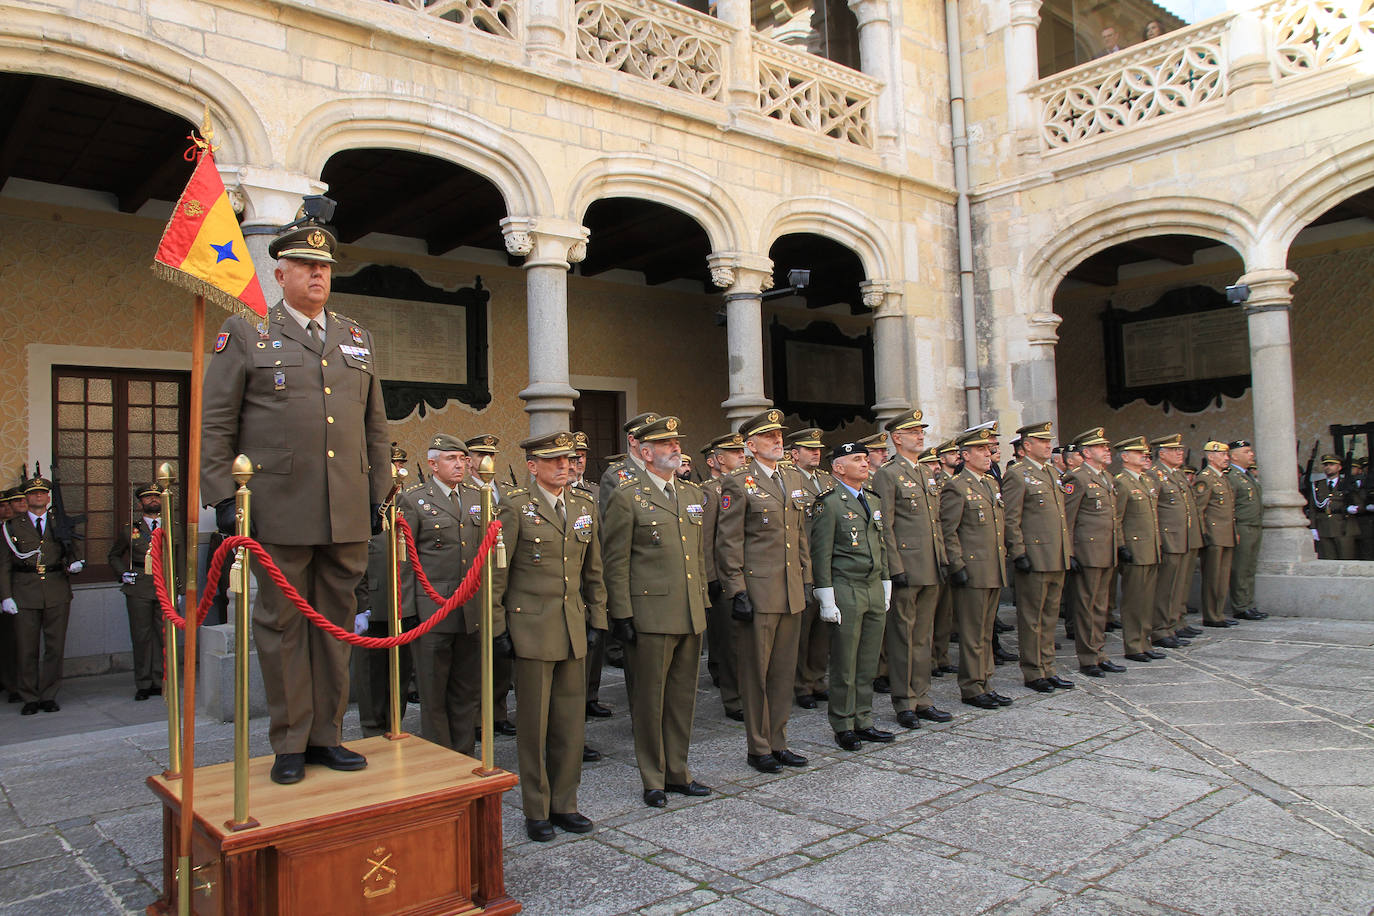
{"x":1180,"y":524}
{"x":911,"y":513}
{"x":973,"y":521}
{"x":374,"y":592}
{"x":128,"y":554}
{"x":1037,"y":521}
{"x":310,"y":418}
{"x":1248,"y":496}
{"x":19,"y":576}
{"x":1090,"y":511}
{"x":1137,"y":514}
{"x":446,"y":538}
{"x":710,"y":506}
{"x":1217,"y":507}
{"x":553,"y":588}
{"x":590,"y":487}
{"x":652,"y":551}
{"x":616,"y":473}
{"x":1326,"y":506}
{"x":762,"y":542}
{"x":846,"y":542}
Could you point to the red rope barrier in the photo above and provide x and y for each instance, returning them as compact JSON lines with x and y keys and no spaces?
{"x":464,"y":593}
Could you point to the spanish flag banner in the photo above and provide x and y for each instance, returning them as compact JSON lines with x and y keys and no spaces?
{"x":203,"y":248}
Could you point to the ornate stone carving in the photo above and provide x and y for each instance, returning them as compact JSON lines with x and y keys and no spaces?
{"x":724,"y":277}
{"x":815,"y":94}
{"x":577,"y":251}
{"x":662,"y":42}
{"x":519,"y":242}
{"x":1313,"y":35}
{"x":874,"y":294}
{"x":495,"y":17}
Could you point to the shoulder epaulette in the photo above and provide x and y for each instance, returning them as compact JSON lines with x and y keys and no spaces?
{"x":739,"y":470}
{"x":517,"y":491}
{"x":627,"y":482}
{"x":574,"y":491}
{"x":346,"y":318}
{"x":412,"y":488}
{"x":826,"y":492}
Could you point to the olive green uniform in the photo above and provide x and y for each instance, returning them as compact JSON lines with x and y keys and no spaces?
{"x":129,"y":554}
{"x":813,"y":644}
{"x":33,"y":571}
{"x":371,"y":668}
{"x":944,"y":605}
{"x":1180,"y":538}
{"x":1037,"y":528}
{"x":1336,"y":527}
{"x":1216,"y":507}
{"x":1090,"y":512}
{"x":720,"y":630}
{"x":973,"y":524}
{"x":1137,"y":515}
{"x":1248,"y":496}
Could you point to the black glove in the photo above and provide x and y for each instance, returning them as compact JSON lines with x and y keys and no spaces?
{"x":376,"y":510}
{"x":900,"y":581}
{"x":944,"y":572}
{"x":623,"y":629}
{"x":742,"y":609}
{"x":226,"y":517}
{"x":1074,"y":565}
{"x":713,"y":591}
{"x":595,"y":637}
{"x":1022,"y":563}
{"x":1123,"y":553}
{"x":959,"y":577}
{"x":502,"y":646}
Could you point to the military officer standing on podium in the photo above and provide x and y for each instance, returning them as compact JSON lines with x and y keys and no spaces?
{"x":1039,"y":545}
{"x":813,"y":647}
{"x":764,"y":562}
{"x":553,"y":596}
{"x":1137,"y":515}
{"x":1217,"y":507}
{"x":915,"y":555}
{"x":655,"y":574}
{"x":1090,"y":511}
{"x":1180,"y":538}
{"x":1248,"y":496}
{"x":127,"y":557}
{"x":973,"y":522}
{"x":723,"y":455}
{"x":854,"y":589}
{"x":299,"y":395}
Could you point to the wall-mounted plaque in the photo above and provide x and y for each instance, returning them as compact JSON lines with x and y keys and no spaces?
{"x":821,"y":375}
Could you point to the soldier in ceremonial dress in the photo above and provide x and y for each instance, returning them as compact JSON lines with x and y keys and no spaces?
{"x":1249,"y":503}
{"x":128,"y":558}
{"x":1090,"y":511}
{"x":1137,"y":515}
{"x":1180,"y":538}
{"x":1333,"y":503}
{"x":813,"y":648}
{"x":1217,"y":509}
{"x":723,"y":455}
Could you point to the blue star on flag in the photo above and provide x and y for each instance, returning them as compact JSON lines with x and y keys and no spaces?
{"x":225,"y":252}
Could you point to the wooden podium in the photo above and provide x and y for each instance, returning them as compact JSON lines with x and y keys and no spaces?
{"x":414,"y":833}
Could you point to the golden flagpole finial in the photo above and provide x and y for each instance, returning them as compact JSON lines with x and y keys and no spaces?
{"x":200,"y":145}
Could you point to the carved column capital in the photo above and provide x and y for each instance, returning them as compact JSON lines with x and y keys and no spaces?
{"x":544,"y":240}
{"x":267,"y":197}
{"x":740,"y":273}
{"x":866,"y":11}
{"x":1042,"y":329}
{"x":1270,"y":289}
{"x":1025,"y":12}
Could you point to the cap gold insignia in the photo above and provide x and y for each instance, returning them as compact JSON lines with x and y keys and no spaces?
{"x":562,"y":442}
{"x":436,"y":442}
{"x":774,"y":416}
{"x":488,"y":440}
{"x":672,"y":424}
{"x":315,"y":239}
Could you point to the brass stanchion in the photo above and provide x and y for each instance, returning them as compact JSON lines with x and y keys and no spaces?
{"x":486,"y":470}
{"x":172,"y":693}
{"x":243,"y":472}
{"x":394,"y":554}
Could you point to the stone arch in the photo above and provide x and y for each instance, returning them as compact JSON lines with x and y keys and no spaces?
{"x":422,"y":127}
{"x":1312,"y":193}
{"x":839,"y":222}
{"x":96,"y":54}
{"x":674,"y":185}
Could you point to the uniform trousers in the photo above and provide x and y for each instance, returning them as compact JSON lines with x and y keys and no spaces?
{"x":720,"y":641}
{"x":813,"y":650}
{"x":855,"y":643}
{"x":1171,"y":592}
{"x":145,"y":635}
{"x":305,"y":670}
{"x":910,"y":630}
{"x":372,"y":677}
{"x":1216,"y":575}
{"x":1137,"y":605}
{"x":975,"y":609}
{"x":766,"y":654}
{"x":1088,"y":605}
{"x":450,"y":677}
{"x":944,"y":626}
{"x":45,"y":627}
{"x":1364,"y":539}
{"x":1339,"y":546}
{"x":502,"y":677}
{"x":1244,"y":562}
{"x":663,"y":703}
{"x":9,"y":667}
{"x":550,"y":729}
{"x":1037,"y":611}
{"x":594,"y":661}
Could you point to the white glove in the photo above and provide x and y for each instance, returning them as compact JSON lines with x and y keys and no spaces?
{"x":1352,"y":509}
{"x":830,"y":611}
{"x":9,"y":607}
{"x":76,"y":567}
{"x":1315,"y":536}
{"x":360,"y":622}
{"x":1369,"y":508}
{"x":887,"y":594}
{"x":129,"y":577}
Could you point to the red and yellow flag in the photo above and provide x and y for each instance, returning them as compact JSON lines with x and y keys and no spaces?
{"x":203,"y":248}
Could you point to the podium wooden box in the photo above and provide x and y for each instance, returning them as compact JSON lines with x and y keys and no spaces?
{"x":415,"y":833}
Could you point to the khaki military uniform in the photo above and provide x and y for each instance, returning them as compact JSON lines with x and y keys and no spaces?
{"x":1180,"y":538}
{"x":1336,"y":527}
{"x":371,"y":668}
{"x":616,"y":473}
{"x":973,"y":523}
{"x":943,"y":627}
{"x":1217,"y":509}
{"x":1248,"y":496}
{"x":553,"y":592}
{"x":915,"y":546}
{"x":1137,"y":515}
{"x":720,"y":629}
{"x":33,"y":571}
{"x":762,"y":548}
{"x":310,"y":417}
{"x":129,"y":554}
{"x":813,"y":644}
{"x":848,"y":554}
{"x":656,"y":576}
{"x":1037,"y":527}
{"x":1090,"y":512}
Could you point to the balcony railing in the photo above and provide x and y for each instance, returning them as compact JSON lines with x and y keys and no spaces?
{"x":495,"y":17}
{"x":663,"y":42}
{"x":814,"y":94}
{"x":1318,"y":35}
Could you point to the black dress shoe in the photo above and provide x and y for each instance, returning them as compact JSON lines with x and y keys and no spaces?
{"x":1156,"y":655}
{"x":504,"y":727}
{"x":1110,"y":666}
{"x":848,"y":740}
{"x":655,"y":798}
{"x":598,"y":710}
{"x":539,"y":831}
{"x":1224,"y":622}
{"x":821,"y":696}
{"x":907,"y":719}
{"x":765,"y":763}
{"x":30,"y":709}
{"x":337,"y":757}
{"x":933,"y":714}
{"x":1139,"y":657}
{"x":590,"y":754}
{"x":142,"y":694}
{"x":1113,"y":624}
{"x":876,"y":735}
{"x":413,"y":697}
{"x":1041,"y":684}
{"x":573,"y":822}
{"x":1062,"y":683}
{"x":882,"y":685}
{"x":1250,"y":614}
{"x":1000,"y":627}
{"x":806,"y":701}
{"x":937,"y":672}
{"x":736,"y":715}
{"x":1189,"y":631}
{"x":790,"y":758}
{"x":950,"y":669}
{"x":1168,"y":642}
{"x":288,"y":769}
{"x":693,"y":788}
{"x":1001,"y":700}
{"x":1091,"y":670}
{"x":1002,"y":656}
{"x":982,"y":701}
{"x":49,"y":706}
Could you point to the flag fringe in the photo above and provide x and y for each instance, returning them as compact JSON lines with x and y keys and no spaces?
{"x":200,"y":287}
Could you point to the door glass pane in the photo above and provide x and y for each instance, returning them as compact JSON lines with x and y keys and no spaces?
{"x":140,"y":419}
{"x":71,"y":416}
{"x":71,"y":389}
{"x":140,"y":392}
{"x":168,"y":393}
{"x":100,"y":391}
{"x":99,"y":417}
{"x":140,"y":445}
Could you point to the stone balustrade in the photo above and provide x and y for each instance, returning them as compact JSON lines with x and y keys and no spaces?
{"x":495,"y":17}
{"x":660,"y":41}
{"x":1318,"y":34}
{"x":815,"y":94}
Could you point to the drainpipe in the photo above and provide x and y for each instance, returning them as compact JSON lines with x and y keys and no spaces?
{"x":963,"y":221}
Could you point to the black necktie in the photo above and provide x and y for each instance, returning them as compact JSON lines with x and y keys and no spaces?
{"x":39,"y":526}
{"x":864,"y":502}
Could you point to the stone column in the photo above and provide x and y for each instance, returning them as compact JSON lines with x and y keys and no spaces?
{"x":741,"y":80}
{"x":1023,"y":70}
{"x":875,"y":58}
{"x":547,"y":30}
{"x":1286,"y":539}
{"x":744,"y":279}
{"x":1033,"y":380}
{"x":549,"y":246}
{"x":889,"y":350}
{"x":268,"y":200}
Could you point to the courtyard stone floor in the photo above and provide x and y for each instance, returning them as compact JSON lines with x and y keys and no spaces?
{"x":1232,"y":778}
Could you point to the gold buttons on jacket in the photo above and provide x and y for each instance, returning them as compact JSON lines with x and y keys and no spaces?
{"x":330,"y":453}
{"x":329,"y":419}
{"x":328,"y":390}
